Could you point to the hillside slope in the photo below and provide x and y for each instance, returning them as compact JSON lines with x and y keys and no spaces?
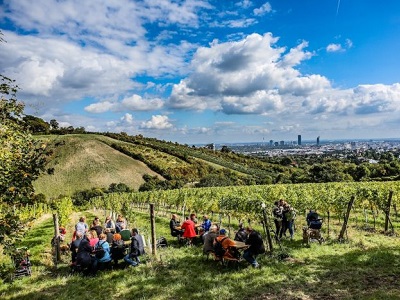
{"x":84,"y":161}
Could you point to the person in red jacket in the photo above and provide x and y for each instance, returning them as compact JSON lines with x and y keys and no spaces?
{"x":189,"y":229}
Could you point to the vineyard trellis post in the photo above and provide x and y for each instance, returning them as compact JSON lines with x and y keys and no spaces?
{"x":387,"y":211}
{"x":346,"y":218}
{"x":56,"y":240}
{"x":153,"y":230}
{"x":265,"y":218}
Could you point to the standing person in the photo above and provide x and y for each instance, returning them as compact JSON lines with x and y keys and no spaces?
{"x":189,"y":230}
{"x":109,"y":224}
{"x":174,"y":226}
{"x":277,"y":213}
{"x":256,"y":246}
{"x":289,"y":215}
{"x":81,"y":226}
{"x":137,"y":249}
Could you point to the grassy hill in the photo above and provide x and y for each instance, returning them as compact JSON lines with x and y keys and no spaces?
{"x":84,"y":161}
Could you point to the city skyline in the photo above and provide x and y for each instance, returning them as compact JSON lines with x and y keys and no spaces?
{"x":208,"y":71}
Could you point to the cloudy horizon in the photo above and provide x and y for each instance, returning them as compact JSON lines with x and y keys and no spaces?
{"x":202,"y":71}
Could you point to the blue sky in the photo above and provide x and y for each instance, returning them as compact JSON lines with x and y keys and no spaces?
{"x":202,"y":71}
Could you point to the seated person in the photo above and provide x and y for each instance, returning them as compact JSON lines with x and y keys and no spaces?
{"x":313,"y":220}
{"x":189,"y":229}
{"x":97,"y":227}
{"x":109,"y":223}
{"x":119,"y":223}
{"x":228,"y":246}
{"x":136,"y":250}
{"x":206,"y":223}
{"x":209,"y":238}
{"x":104,"y":259}
{"x":74,"y":247}
{"x":92,"y":237}
{"x":241,"y":234}
{"x":117,"y":248}
{"x":84,"y":258}
{"x":174,"y":226}
{"x":109,"y":234}
{"x":125,"y":233}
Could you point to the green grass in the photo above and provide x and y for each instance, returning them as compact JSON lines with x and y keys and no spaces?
{"x":85,"y":161}
{"x":366,"y":267}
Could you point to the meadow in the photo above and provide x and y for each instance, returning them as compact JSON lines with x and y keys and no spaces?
{"x":366,"y":266}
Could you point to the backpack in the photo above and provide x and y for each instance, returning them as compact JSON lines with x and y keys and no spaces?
{"x":218,"y":248}
{"x":162,"y":242}
{"x":99,"y":250}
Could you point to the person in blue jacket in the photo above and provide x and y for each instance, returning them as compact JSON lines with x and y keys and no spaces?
{"x":105,"y":260}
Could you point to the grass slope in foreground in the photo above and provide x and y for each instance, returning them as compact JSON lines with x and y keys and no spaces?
{"x":81,"y":162}
{"x":365,"y":268}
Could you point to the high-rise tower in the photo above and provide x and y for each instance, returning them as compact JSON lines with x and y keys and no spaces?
{"x":299,"y":139}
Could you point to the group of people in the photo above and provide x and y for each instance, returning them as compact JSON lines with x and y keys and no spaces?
{"x":216,"y":241}
{"x":284,"y":216}
{"x":94,"y":248}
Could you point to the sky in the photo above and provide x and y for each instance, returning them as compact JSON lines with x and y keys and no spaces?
{"x":208,"y":71}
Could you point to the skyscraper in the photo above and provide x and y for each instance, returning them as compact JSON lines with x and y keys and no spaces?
{"x":299,"y":139}
{"x":318,"y":141}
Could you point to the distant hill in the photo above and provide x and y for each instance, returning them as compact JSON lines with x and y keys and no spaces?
{"x":84,"y":161}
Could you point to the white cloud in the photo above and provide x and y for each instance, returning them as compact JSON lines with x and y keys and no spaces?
{"x":334,"y":48}
{"x":245,"y":77}
{"x":245,"y":3}
{"x":100,"y":107}
{"x":265,"y":8}
{"x":157,"y":122}
{"x":137,"y":103}
{"x":127,"y":118}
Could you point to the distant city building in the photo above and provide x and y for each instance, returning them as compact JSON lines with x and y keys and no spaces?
{"x":299,"y":139}
{"x":282,"y":143}
{"x":271,"y":142}
{"x":276,"y":144}
{"x":318,"y":141}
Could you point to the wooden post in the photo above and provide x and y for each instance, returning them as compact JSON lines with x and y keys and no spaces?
{"x":229,"y":226}
{"x":56,"y":239}
{"x":329,"y":219}
{"x":387,"y":211}
{"x":346,"y":219}
{"x":266,"y":228}
{"x":153,"y":230}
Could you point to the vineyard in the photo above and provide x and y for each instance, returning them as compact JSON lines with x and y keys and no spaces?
{"x":244,"y":202}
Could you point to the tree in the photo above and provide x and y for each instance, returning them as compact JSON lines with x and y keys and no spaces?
{"x":54,"y":124}
{"x":22,"y":158}
{"x":36,"y":125}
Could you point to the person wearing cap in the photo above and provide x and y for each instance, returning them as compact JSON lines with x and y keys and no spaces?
{"x":226,"y":242}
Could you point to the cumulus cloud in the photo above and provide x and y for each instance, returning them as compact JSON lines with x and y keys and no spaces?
{"x":137,"y":103}
{"x":249,"y":76}
{"x":334,"y":48}
{"x":265,"y":8}
{"x":157,"y":122}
